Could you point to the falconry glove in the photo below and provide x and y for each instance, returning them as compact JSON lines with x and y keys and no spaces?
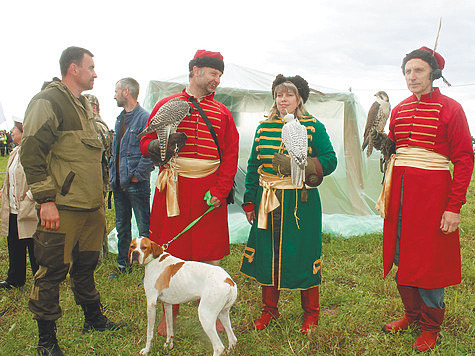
{"x":281,"y":164}
{"x":313,"y":170}
{"x":383,"y":143}
{"x":176,"y":141}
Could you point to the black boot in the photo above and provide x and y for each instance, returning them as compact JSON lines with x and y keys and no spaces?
{"x":95,"y":320}
{"x":48,"y":344}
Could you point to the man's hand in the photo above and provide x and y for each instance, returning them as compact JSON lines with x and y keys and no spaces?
{"x":251,"y":216}
{"x":450,"y":222}
{"x":49,"y":216}
{"x":215,"y":202}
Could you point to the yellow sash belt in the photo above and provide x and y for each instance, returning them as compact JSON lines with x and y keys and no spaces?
{"x":409,"y":157}
{"x":185,"y":167}
{"x":269,"y":201}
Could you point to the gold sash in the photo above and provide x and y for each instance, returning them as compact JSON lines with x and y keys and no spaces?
{"x":185,"y":167}
{"x":409,"y":157}
{"x":269,"y":201}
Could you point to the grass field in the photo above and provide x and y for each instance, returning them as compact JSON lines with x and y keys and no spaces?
{"x":355,"y":303}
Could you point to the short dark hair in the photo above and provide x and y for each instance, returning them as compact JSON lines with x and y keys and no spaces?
{"x":72,"y":55}
{"x":131,"y":84}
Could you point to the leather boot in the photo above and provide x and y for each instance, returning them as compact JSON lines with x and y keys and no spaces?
{"x":430,"y":321}
{"x":311,"y":308}
{"x":412,"y":301}
{"x":94,"y":320}
{"x":162,"y":327}
{"x":48,"y":344}
{"x":270,"y":299}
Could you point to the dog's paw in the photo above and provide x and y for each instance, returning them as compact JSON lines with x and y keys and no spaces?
{"x":144,"y":351}
{"x":168,"y":345}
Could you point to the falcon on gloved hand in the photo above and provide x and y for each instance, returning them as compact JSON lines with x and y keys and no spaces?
{"x":378,"y":114}
{"x":294,"y":138}
{"x":166,"y":121}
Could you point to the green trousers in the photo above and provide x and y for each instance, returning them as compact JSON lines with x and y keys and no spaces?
{"x":74,"y":249}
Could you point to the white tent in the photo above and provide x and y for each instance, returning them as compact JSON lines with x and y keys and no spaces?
{"x":348,"y":195}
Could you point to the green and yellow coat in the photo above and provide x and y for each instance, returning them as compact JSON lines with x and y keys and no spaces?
{"x":291,"y":247}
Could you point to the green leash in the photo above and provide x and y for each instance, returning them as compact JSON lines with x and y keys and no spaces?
{"x":207,"y":197}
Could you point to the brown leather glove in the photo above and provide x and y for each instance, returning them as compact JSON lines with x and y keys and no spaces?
{"x":313,"y":172}
{"x":176,"y":141}
{"x":378,"y":139}
{"x":281,"y":164}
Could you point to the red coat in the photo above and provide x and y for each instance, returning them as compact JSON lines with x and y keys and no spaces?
{"x":209,"y":238}
{"x":427,"y":258}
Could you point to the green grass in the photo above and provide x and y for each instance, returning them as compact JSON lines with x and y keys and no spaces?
{"x":355,"y":303}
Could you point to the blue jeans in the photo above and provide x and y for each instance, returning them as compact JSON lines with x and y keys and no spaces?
{"x":137,"y":197}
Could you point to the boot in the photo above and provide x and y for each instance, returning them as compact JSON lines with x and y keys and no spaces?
{"x":270,"y":298}
{"x":412,"y":301}
{"x":430,"y":321}
{"x":48,"y":344}
{"x":94,"y":320}
{"x":162,"y":327}
{"x":311,"y":308}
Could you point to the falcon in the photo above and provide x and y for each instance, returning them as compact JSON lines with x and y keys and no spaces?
{"x":166,"y":121}
{"x":377,"y":116}
{"x":294,"y":138}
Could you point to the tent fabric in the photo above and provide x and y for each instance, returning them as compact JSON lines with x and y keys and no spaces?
{"x":348,"y":195}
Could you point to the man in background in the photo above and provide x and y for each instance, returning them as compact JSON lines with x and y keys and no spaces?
{"x":129,"y":171}
{"x":106,"y":139}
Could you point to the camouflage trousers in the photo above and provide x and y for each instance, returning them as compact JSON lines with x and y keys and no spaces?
{"x":74,"y":249}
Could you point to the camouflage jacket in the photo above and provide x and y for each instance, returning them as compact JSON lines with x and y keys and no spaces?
{"x":61,"y":152}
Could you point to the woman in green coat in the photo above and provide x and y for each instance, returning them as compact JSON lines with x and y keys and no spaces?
{"x":285,"y":243}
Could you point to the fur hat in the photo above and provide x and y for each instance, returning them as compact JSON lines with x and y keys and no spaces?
{"x":298,"y":81}
{"x":205,"y":58}
{"x":435,"y":60}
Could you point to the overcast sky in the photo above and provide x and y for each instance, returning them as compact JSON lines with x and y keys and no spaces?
{"x":336,"y":44}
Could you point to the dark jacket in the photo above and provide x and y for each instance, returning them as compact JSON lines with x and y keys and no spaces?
{"x":131,"y":162}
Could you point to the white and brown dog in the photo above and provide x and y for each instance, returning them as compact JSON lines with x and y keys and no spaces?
{"x":175,"y":281}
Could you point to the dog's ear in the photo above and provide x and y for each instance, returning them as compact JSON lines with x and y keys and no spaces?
{"x":157,"y":250}
{"x":132,"y":246}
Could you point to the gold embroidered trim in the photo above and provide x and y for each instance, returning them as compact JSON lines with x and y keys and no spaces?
{"x":250,"y":257}
{"x":317,"y":266}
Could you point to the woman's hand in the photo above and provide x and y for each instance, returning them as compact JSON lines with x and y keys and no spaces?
{"x":251,"y":216}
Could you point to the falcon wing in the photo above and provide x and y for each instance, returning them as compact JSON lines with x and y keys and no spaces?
{"x":294,"y":137}
{"x":170,"y":114}
{"x":383,"y":115}
{"x":371,"y":121}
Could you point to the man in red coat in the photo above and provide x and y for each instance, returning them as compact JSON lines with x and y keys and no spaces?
{"x":421,"y":234}
{"x":201,"y":166}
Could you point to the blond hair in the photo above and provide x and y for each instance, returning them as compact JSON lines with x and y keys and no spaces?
{"x":299,"y":112}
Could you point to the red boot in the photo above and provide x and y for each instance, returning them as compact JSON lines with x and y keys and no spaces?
{"x":412,"y":307}
{"x":162,"y":327}
{"x":430,"y":321}
{"x":311,"y":308}
{"x":270,"y":298}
